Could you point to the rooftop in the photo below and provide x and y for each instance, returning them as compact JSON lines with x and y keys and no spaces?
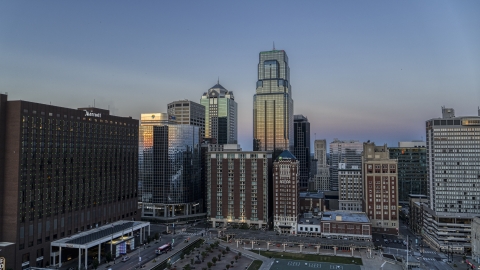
{"x":317,"y":195}
{"x":286,"y":155}
{"x":345,"y":216}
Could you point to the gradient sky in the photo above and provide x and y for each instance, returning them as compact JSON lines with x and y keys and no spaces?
{"x":365,"y":70}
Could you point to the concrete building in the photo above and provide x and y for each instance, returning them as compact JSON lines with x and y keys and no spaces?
{"x":380,"y":195}
{"x":273,"y":104}
{"x":62,"y":171}
{"x":186,"y":112}
{"x":322,"y":172}
{"x":343,"y":152}
{"x":285,"y":192}
{"x":312,"y":202}
{"x":220,"y":114}
{"x":350,"y":189}
{"x":475,"y":240}
{"x":412,"y":168}
{"x":169,"y":170}
{"x":239,"y":186}
{"x":302,"y":149}
{"x":345,"y":224}
{"x":309,"y":225}
{"x":415,"y":217}
{"x":453,"y":144}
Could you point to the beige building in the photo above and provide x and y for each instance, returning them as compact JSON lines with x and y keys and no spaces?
{"x":350,"y":192}
{"x":285,"y":193}
{"x":322,"y":177}
{"x":380,"y":188}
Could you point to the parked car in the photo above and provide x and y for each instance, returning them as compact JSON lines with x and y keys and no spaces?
{"x":126,"y":258}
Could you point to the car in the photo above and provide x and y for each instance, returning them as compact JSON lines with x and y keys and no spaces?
{"x":126,"y":258}
{"x":378,"y":240}
{"x":395,"y":241}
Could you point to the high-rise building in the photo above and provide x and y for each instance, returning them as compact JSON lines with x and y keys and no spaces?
{"x":285,"y":193}
{"x":453,"y":174}
{"x":185,"y":112}
{"x":301,"y":148}
{"x":169,"y":169}
{"x":412,"y":168}
{"x":322,"y":175}
{"x":66,"y":170}
{"x":273,"y":104}
{"x":220,"y":114}
{"x":239,"y":186}
{"x":348,"y":153}
{"x":380,"y":184}
{"x":350,"y":193}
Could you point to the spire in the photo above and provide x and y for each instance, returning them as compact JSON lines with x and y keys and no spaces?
{"x":274,"y":45}
{"x":218,"y":80}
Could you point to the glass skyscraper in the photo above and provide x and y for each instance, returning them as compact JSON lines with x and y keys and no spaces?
{"x":220,"y":114}
{"x":301,"y":149}
{"x":169,"y":169}
{"x":273,"y":104}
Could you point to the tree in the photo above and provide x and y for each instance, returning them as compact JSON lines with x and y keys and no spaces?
{"x":209,"y":264}
{"x":228,"y":266}
{"x":157,"y":236}
{"x":108,"y":257}
{"x":239,"y":254}
{"x":231,"y":262}
{"x":224,"y":252}
{"x":214,"y":260}
{"x":236,"y":257}
{"x":227,"y":249}
{"x":212,"y":245}
{"x":95,"y":264}
{"x":219,"y":256}
{"x":169,"y":265}
{"x":187,"y":267}
{"x":182,"y":256}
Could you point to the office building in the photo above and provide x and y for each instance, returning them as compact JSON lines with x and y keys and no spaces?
{"x":65,"y":171}
{"x":285,"y":193}
{"x":322,"y":172}
{"x":415,"y":217}
{"x":220,"y":114}
{"x":380,"y":197}
{"x":350,"y":189}
{"x":273,"y":104}
{"x":185,"y":112}
{"x":301,"y":148}
{"x":345,"y":152}
{"x":412,"y":168}
{"x":475,"y":236}
{"x":345,"y":224}
{"x":169,"y":169}
{"x":453,"y":144}
{"x":239,"y":186}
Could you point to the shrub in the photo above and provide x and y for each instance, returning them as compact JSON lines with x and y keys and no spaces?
{"x":209,"y":264}
{"x":227,"y":249}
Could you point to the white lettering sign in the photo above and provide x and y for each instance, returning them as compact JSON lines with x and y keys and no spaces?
{"x":87,"y":113}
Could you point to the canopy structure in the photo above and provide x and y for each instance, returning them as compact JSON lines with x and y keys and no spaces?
{"x":111,"y":234}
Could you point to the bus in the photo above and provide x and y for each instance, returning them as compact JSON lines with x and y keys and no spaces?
{"x":164,"y":249}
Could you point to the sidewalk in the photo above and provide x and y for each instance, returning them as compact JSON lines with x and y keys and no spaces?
{"x":267,"y":263}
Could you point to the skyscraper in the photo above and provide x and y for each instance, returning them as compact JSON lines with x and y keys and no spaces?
{"x":347,"y":154}
{"x":169,"y":169}
{"x":412,"y":168}
{"x":322,"y":176}
{"x":187,"y":112}
{"x":273,"y":104}
{"x":220,"y":114}
{"x":301,"y":149}
{"x":453,"y":174}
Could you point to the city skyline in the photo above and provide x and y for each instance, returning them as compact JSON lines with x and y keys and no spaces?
{"x":349,"y":61}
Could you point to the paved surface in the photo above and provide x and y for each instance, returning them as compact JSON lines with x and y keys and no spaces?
{"x":281,"y":264}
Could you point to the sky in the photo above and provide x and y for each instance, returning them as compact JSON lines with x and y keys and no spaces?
{"x":363,"y":70}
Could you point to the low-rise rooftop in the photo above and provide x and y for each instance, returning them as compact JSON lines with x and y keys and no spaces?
{"x":345,"y":216}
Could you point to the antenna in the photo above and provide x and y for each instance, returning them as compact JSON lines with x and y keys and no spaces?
{"x":274,"y":45}
{"x":218,"y":80}
{"x":94,"y":103}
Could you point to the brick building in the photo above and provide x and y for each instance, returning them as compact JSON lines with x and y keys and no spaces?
{"x":344,"y":224}
{"x":380,"y":198}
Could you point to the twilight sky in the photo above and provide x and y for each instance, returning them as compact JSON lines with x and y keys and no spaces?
{"x":365,"y":70}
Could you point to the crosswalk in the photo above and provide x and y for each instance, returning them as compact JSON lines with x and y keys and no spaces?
{"x":429,"y":259}
{"x":430,"y":252}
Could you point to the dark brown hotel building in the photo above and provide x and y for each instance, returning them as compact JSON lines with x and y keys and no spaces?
{"x":239,"y":187}
{"x":62,"y":171}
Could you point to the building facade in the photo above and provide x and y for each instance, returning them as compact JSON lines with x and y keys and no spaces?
{"x":273,"y":104}
{"x":322,"y":174}
{"x":350,"y":194}
{"x":412,"y":168}
{"x":301,"y":148}
{"x":380,"y":195}
{"x":285,"y":193}
{"x":345,"y":224}
{"x":185,"y":112}
{"x":68,"y":170}
{"x":475,"y":236}
{"x":239,"y":186}
{"x":169,"y":169}
{"x":415,"y":217}
{"x":345,"y":152}
{"x":220,"y":114}
{"x":312,"y":202}
{"x":453,"y":144}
